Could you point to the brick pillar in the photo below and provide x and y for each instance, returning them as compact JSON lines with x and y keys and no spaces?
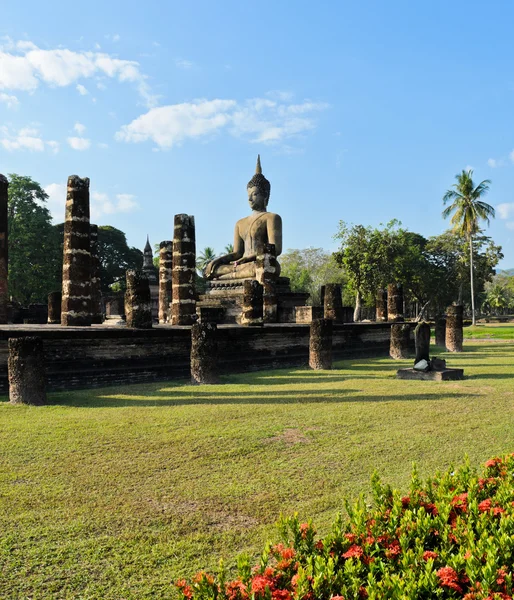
{"x":422,"y":341}
{"x":320,"y":344}
{"x":381,"y":306}
{"x":332,"y":302}
{"x":165,"y":274}
{"x":266,"y":274}
{"x":26,"y":371}
{"x":4,"y":292}
{"x":395,"y":302}
{"x":440,"y":331}
{"x":76,"y":270}
{"x":138,"y":302}
{"x":204,"y":353}
{"x":54,"y":308}
{"x":252,"y":303}
{"x":454,"y":333}
{"x":400,"y":336}
{"x":97,"y":311}
{"x":183,"y":294}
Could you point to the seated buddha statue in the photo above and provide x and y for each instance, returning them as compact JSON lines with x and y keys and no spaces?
{"x":250,"y":234}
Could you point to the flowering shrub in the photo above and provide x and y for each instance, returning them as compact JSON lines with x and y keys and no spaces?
{"x":451,"y":537}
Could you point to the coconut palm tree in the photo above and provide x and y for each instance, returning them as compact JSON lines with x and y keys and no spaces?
{"x":203,"y":259}
{"x":468,"y":210}
{"x":229,"y":248}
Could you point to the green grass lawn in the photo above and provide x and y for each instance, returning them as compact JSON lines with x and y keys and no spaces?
{"x":488,"y":331}
{"x":114,"y":493}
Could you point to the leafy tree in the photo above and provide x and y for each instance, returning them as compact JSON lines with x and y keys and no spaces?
{"x":35,"y":255}
{"x":468,"y":210}
{"x":204,"y":258}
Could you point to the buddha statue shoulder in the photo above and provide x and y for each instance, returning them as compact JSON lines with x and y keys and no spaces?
{"x":250,"y":233}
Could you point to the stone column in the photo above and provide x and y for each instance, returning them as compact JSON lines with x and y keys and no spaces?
{"x":333,"y":302}
{"x":395,"y":302}
{"x":97,"y":316}
{"x":400,"y":336}
{"x":381,"y":306}
{"x":183,"y":294}
{"x":76,"y":270}
{"x":165,"y":274}
{"x":252,"y":303}
{"x":4,"y":292}
{"x":138,"y":302}
{"x":26,"y":371}
{"x":454,"y":333}
{"x":422,"y":341}
{"x":54,"y":308}
{"x":266,"y":275}
{"x":440,"y":331}
{"x":204,"y":353}
{"x":320,"y":344}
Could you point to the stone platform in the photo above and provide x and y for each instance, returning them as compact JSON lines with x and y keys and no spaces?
{"x":442,"y":375}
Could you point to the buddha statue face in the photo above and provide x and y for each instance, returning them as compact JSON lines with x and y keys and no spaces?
{"x":257,"y":199}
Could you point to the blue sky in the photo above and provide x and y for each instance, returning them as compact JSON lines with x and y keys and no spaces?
{"x":362,"y":111}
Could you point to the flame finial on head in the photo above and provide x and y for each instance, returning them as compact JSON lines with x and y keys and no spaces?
{"x":258,"y":168}
{"x":258,"y":180}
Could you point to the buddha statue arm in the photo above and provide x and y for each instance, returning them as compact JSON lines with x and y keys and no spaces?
{"x":226,"y":259}
{"x":275,"y":233}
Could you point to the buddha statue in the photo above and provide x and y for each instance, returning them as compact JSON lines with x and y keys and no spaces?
{"x":250,"y":234}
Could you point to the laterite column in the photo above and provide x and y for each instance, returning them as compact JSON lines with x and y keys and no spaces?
{"x":165,"y":274}
{"x":395,"y":302}
{"x":138,"y":301}
{"x":54,"y":308}
{"x":183,"y":295}
{"x":204,"y":353}
{"x":454,"y":332}
{"x":440,"y":331}
{"x":266,"y":274}
{"x":4,"y":292}
{"x":252,"y":303}
{"x":400,"y":337}
{"x":381,"y":306}
{"x":97,"y":316}
{"x":76,"y":270}
{"x":26,"y":371}
{"x":320,"y":344}
{"x":422,"y":341}
{"x":333,"y":303}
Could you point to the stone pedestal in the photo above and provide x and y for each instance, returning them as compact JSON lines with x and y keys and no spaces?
{"x":4,"y":292}
{"x":165,"y":274}
{"x":440,"y":331}
{"x":320,"y":344}
{"x":138,"y":302}
{"x":266,"y":271}
{"x":400,"y":337}
{"x":395,"y":302}
{"x":454,"y":331}
{"x":97,"y":311}
{"x":54,"y":308}
{"x":252,"y":314}
{"x":333,"y":303}
{"x":183,"y":303}
{"x":26,"y":371}
{"x":76,"y":273}
{"x":381,"y":306}
{"x":308,"y":314}
{"x":422,"y":342}
{"x":204,"y":353}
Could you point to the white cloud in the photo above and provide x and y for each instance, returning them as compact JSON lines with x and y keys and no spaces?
{"x":493,"y":163}
{"x":103,"y":145}
{"x":54,"y":146}
{"x":79,"y":128}
{"x":79,"y":143}
{"x":260,"y":120}
{"x":10,"y":101}
{"x":27,"y":138}
{"x":23,"y":66}
{"x":56,"y":200}
{"x":182,"y":63}
{"x":505,"y":210}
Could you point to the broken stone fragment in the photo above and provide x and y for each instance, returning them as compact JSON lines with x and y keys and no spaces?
{"x":422,"y":365}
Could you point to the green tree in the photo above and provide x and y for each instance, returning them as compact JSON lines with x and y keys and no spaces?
{"x":229,"y":248}
{"x":204,"y":258}
{"x":468,"y":209}
{"x":35,"y":255}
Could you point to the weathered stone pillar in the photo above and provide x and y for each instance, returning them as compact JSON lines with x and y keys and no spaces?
{"x":400,"y":336}
{"x":183,"y":294}
{"x":440,"y":331}
{"x":252,"y":303}
{"x":454,"y":332}
{"x":395,"y":302}
{"x":76,"y":270}
{"x":4,"y":292}
{"x":97,"y":316}
{"x":165,"y":275}
{"x":381,"y":306}
{"x":204,"y":353}
{"x":320,"y":344}
{"x":266,"y":275}
{"x":422,"y":341}
{"x":138,"y":302}
{"x":333,"y":302}
{"x":54,"y":308}
{"x":26,"y":371}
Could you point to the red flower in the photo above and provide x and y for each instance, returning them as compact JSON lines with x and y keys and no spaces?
{"x":405,"y":501}
{"x":449,"y":578}
{"x":281,"y":595}
{"x":184,"y":588}
{"x":260,"y":583}
{"x":393,"y":549}
{"x":485,"y":505}
{"x":319,"y":545}
{"x":236,"y":590}
{"x":493,"y":462}
{"x":429,"y":554}
{"x":304,"y":528}
{"x":460,"y":502}
{"x":287,"y":553}
{"x":351,"y":537}
{"x":354,"y":552}
{"x":337,"y":598}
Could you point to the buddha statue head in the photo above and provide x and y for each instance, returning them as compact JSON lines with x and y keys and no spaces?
{"x":258,"y":189}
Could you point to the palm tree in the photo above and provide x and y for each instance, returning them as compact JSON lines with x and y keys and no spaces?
{"x":205,"y":258}
{"x":229,"y":248}
{"x":468,"y":210}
